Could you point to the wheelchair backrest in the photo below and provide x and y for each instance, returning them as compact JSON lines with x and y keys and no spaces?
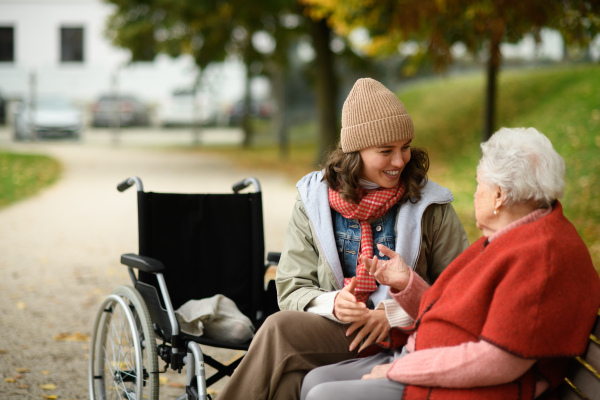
{"x":209,"y":243}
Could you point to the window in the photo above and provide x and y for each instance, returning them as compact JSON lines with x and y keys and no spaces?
{"x":7,"y":43}
{"x":71,"y":44}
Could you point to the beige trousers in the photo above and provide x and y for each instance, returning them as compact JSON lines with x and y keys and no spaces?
{"x":287,"y":346}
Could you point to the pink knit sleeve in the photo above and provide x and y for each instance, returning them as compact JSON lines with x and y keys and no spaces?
{"x":470,"y":364}
{"x":410,"y":297}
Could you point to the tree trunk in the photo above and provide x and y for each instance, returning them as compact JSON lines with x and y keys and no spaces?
{"x":280,"y":120}
{"x":246,"y":123}
{"x":326,"y":87}
{"x":195,"y":110}
{"x":490,"y":96}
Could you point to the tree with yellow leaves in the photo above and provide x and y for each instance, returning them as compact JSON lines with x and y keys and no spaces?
{"x":481,"y":25}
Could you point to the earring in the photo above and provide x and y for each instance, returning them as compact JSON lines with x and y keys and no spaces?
{"x":496,"y":212}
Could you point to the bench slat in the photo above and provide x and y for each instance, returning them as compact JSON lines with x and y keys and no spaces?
{"x":585,"y":381}
{"x":596,"y":328}
{"x":568,"y":393}
{"x":592,"y":355}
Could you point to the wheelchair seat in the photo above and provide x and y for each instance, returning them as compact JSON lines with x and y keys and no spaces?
{"x":191,"y":246}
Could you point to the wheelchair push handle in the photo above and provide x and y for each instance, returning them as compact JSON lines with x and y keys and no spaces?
{"x":129,"y":182}
{"x":243,"y":184}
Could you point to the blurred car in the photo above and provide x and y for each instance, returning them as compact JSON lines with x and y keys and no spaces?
{"x":187,"y":108}
{"x":262,"y":109}
{"x":130,"y":111}
{"x":49,"y":117}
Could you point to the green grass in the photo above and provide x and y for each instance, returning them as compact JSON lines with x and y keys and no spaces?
{"x":561,"y":102}
{"x":22,"y":175}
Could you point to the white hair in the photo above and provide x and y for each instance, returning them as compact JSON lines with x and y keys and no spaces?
{"x":523,"y":163}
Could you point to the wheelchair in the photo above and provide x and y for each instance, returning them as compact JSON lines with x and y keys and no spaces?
{"x":191,"y":246}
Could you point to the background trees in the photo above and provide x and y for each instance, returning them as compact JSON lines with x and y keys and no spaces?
{"x":213,"y":30}
{"x":481,"y":25}
{"x":210,"y":31}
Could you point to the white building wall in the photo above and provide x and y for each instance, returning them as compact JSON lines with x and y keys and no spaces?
{"x":37,"y":26}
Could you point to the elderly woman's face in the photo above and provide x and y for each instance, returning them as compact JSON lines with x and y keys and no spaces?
{"x":384,"y":164}
{"x":485,"y":203}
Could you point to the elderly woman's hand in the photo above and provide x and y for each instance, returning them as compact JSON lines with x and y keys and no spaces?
{"x":394,"y":272}
{"x":378,"y":372}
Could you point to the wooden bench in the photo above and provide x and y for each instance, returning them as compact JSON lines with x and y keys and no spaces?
{"x":583,"y":378}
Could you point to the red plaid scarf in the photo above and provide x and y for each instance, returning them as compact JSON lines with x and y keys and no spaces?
{"x":373,"y":204}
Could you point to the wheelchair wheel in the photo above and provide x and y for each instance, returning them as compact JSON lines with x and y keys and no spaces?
{"x":123,"y":359}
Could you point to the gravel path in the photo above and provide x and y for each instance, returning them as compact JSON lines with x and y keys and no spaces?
{"x":59,"y":251}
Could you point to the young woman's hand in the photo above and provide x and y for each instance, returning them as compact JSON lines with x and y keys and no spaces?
{"x":394,"y":272}
{"x":373,"y":329}
{"x":346,"y":308}
{"x":373,"y":325}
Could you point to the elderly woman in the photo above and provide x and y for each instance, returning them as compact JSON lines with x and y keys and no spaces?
{"x":502,"y":318}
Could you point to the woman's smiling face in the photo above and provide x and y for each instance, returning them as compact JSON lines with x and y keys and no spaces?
{"x":384,"y":164}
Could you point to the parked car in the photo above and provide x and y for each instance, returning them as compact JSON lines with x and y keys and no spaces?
{"x":262,"y":109}
{"x":187,"y":108}
{"x":130,"y":111}
{"x":48,"y":117}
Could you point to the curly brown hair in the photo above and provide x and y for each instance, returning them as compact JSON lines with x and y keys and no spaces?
{"x":342,"y":172}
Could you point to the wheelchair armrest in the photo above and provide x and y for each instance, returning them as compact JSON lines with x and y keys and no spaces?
{"x":273,"y":257}
{"x":142,"y":263}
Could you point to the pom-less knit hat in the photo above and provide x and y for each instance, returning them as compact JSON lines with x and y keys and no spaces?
{"x":372,"y":115}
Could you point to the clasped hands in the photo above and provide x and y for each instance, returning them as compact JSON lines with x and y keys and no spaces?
{"x":373,"y":324}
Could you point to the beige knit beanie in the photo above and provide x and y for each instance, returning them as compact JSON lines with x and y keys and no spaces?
{"x":372,"y":115}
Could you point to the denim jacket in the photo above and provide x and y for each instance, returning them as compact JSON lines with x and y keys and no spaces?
{"x":347,"y":234}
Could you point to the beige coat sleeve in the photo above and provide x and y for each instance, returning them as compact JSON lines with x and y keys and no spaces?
{"x":302,"y":273}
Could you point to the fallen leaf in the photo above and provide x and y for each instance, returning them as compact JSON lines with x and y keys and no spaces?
{"x":18,"y":376}
{"x":21,"y":370}
{"x":48,"y":386}
{"x":162,"y":380}
{"x":176,"y":385}
{"x":10,"y":380}
{"x":122,"y":365}
{"x":51,"y":397}
{"x":45,"y":372}
{"x":23,"y":386}
{"x":21,"y":305}
{"x":2,"y":351}
{"x":71,"y":337}
{"x":237,"y":354}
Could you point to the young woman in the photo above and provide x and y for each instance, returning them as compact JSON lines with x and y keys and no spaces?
{"x":372,"y":190}
{"x":503,"y":318}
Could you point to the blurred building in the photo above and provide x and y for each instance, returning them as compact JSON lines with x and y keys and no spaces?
{"x":59,"y":47}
